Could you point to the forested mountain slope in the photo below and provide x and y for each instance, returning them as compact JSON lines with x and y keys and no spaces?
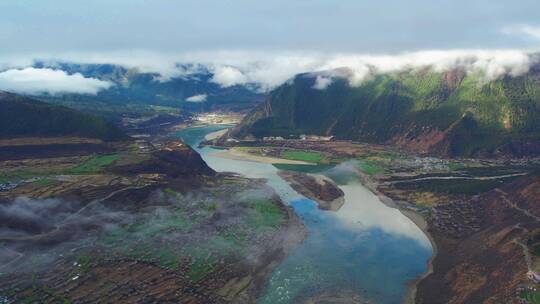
{"x":25,"y":117}
{"x":450,"y":113}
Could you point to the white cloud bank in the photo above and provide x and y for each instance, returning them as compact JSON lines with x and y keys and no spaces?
{"x":273,"y":71}
{"x":197,"y":98}
{"x":492,"y":64}
{"x":270,"y":69}
{"x":322,"y":82}
{"x":227,"y":76}
{"x":38,"y":81}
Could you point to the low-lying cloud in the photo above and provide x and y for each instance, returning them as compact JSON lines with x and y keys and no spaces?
{"x":227,"y":76}
{"x":322,"y":82}
{"x":492,"y":64}
{"x":197,"y":98}
{"x":270,"y":69}
{"x":38,"y":81}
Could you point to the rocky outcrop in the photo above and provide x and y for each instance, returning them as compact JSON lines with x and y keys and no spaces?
{"x":175,"y":160}
{"x":316,"y":187}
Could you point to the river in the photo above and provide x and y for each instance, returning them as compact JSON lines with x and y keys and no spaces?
{"x":366,"y":248}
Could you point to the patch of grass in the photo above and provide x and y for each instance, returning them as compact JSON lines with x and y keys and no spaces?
{"x":164,"y":109}
{"x":95,"y":164}
{"x":148,"y":239}
{"x":86,"y":262}
{"x":145,"y":231}
{"x":534,"y":244}
{"x":491,"y":170}
{"x":425,"y":198}
{"x":535,"y":250}
{"x":155,"y":227}
{"x":44,"y":182}
{"x":370,"y":167}
{"x":231,"y":242}
{"x":173,"y":193}
{"x":229,"y":181}
{"x":201,"y":267}
{"x":459,"y":186}
{"x":264,"y":214}
{"x":167,"y":258}
{"x":304,"y":168}
{"x":19,"y":175}
{"x":310,"y":157}
{"x":247,"y":149}
{"x":456,"y":166}
{"x":531,"y":297}
{"x":236,"y":233}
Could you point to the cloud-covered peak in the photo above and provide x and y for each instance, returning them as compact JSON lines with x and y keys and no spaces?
{"x":322,"y":82}
{"x":38,"y":81}
{"x":266,"y":70}
{"x":227,"y":76}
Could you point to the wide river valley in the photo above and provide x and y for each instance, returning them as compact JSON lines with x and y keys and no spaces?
{"x":365,"y":249}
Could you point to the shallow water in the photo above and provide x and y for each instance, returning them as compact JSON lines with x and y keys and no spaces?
{"x":366,"y":248}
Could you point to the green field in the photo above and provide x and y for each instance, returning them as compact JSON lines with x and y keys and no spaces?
{"x":264,"y":214}
{"x":531,"y":297}
{"x":370,"y":167}
{"x":19,"y":175}
{"x":44,"y":182}
{"x":304,"y":168}
{"x":95,"y":164}
{"x":457,"y":186}
{"x":310,"y":157}
{"x":255,"y":219}
{"x":202,"y":267}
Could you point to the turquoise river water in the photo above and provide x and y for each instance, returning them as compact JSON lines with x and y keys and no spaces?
{"x":366,"y":248}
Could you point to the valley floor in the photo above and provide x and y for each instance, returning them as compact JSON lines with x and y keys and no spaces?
{"x":135,"y":222}
{"x":482,"y":215}
{"x":109,"y":208}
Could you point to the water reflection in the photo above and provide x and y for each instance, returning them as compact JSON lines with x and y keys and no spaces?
{"x":363,"y":210}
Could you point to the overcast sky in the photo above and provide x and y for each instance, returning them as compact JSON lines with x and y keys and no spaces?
{"x":382,"y":26}
{"x":262,"y":42}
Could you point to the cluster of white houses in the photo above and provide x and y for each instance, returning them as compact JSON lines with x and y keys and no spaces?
{"x":301,"y":137}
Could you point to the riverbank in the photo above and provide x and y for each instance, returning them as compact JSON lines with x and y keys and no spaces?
{"x":236,"y":154}
{"x":217,"y":134}
{"x":447,"y":199}
{"x":290,"y":235}
{"x":370,"y":184}
{"x":417,"y":218}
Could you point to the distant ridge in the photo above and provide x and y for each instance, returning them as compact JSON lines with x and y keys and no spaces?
{"x":450,"y":113}
{"x":132,"y":86}
{"x":26,"y":117}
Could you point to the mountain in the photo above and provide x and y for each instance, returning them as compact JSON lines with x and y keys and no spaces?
{"x":131,"y":86}
{"x":25,"y":117}
{"x":487,"y":265}
{"x":450,"y":113}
